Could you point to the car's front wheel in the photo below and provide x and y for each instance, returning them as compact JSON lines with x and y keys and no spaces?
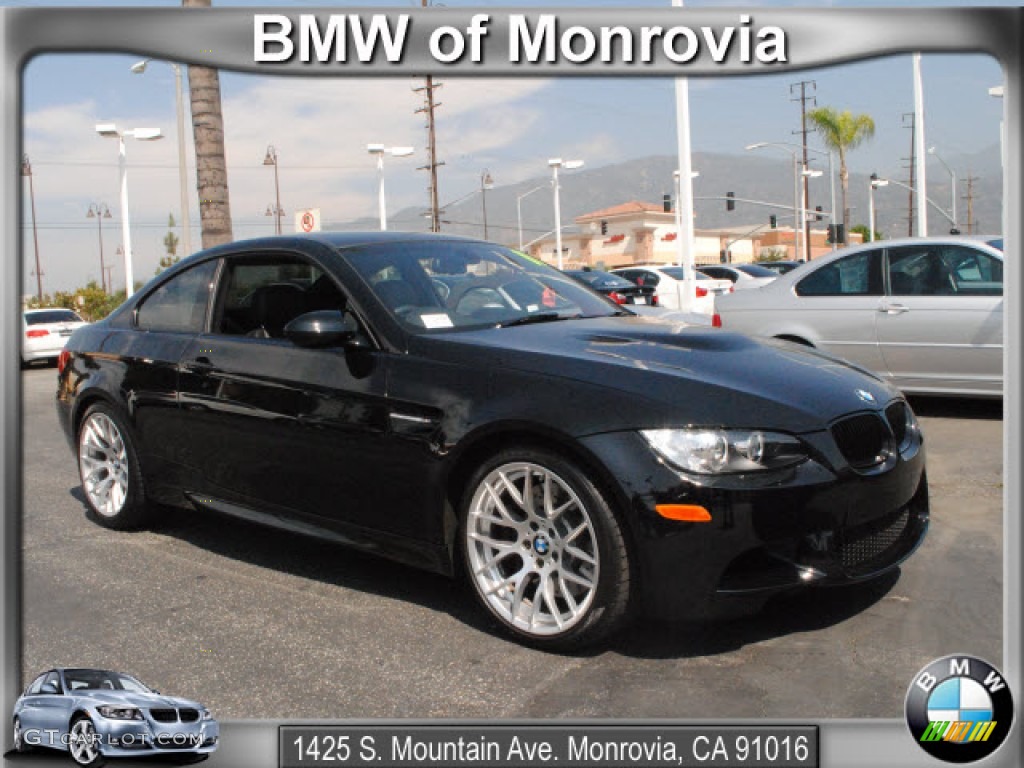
{"x":83,"y":743}
{"x":544,"y":550}
{"x":109,"y":468}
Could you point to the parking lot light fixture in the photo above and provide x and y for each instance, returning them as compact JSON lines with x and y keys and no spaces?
{"x":26,"y":170}
{"x":555,"y":163}
{"x":271,"y":159}
{"x":100,"y":211}
{"x":379,"y":150}
{"x":110,"y":131}
{"x":876,"y":182}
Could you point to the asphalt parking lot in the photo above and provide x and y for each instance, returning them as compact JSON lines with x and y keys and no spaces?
{"x":257,"y":623}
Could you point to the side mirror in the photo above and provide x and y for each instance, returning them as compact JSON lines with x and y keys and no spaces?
{"x":48,"y":687}
{"x":323,"y":328}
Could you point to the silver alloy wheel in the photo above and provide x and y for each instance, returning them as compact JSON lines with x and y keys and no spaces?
{"x":103,"y":462}
{"x":83,"y":742}
{"x":532,"y":549}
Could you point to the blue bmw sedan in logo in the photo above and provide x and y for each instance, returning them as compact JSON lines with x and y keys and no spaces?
{"x":95,"y":713}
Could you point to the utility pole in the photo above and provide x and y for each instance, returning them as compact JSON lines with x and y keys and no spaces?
{"x":912,"y":160}
{"x":429,"y":105}
{"x":803,"y":99}
{"x":969,"y":197}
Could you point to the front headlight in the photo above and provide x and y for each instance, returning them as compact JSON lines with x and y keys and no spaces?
{"x":717,"y":451}
{"x":119,"y":713}
{"x":206,"y":714}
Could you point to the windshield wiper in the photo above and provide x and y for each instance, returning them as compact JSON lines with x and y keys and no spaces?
{"x":537,"y":317}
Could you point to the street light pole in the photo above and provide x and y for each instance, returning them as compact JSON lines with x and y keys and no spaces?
{"x":271,"y":159}
{"x":952,"y":181}
{"x":109,"y":131}
{"x":556,"y":163}
{"x":100,"y":211}
{"x":26,"y":170}
{"x":379,"y":150}
{"x":486,"y":182}
{"x":875,"y":184}
{"x":186,"y":225}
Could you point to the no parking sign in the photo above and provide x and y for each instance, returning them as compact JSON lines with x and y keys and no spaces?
{"x":307,"y":220}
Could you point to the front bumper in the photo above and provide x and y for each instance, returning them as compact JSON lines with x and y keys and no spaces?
{"x":820,"y":523}
{"x":124,"y":738}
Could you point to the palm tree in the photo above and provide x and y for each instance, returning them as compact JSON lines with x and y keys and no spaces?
{"x":211,"y":164}
{"x":842,"y":131}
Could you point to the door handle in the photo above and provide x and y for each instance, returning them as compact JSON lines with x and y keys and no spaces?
{"x":201,"y":364}
{"x":893,"y":309}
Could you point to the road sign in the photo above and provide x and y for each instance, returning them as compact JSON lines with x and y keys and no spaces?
{"x":307,"y":220}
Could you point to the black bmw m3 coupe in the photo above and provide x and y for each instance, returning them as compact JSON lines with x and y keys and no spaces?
{"x":460,"y":407}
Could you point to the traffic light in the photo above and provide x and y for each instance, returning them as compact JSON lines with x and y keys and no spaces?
{"x":666,"y":203}
{"x":773,"y":221}
{"x":817,"y":213}
{"x":604,"y":227}
{"x":730,"y":201}
{"x":836,"y":233}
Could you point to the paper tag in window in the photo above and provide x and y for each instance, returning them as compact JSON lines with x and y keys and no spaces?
{"x":436,"y":321}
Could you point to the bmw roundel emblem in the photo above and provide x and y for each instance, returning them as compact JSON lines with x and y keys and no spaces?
{"x":541,"y":545}
{"x":959,"y":709}
{"x":866,"y":396}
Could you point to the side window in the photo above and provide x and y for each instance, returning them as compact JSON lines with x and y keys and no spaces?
{"x":917,"y":270}
{"x":972,"y":272}
{"x":180,"y":303}
{"x":259,"y":296}
{"x":51,"y":683}
{"x":856,"y":275}
{"x":36,"y":685}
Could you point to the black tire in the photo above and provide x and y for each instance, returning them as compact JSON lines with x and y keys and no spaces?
{"x":125,"y":510}
{"x":91,"y":759}
{"x":554,"y":543}
{"x":18,"y":738}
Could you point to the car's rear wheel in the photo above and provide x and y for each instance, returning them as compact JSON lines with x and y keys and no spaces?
{"x":544,"y":550}
{"x":109,"y":468}
{"x":83,"y":743}
{"x":19,"y":737}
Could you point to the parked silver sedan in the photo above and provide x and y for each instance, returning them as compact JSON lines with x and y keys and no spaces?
{"x":927,"y":313}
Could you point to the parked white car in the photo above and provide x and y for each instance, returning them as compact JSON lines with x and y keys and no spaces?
{"x":669,"y":282}
{"x":742,"y":276}
{"x":925,"y":313}
{"x":45,"y":332}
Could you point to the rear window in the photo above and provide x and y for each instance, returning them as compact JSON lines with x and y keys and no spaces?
{"x":52,"y":316}
{"x":755,"y":271}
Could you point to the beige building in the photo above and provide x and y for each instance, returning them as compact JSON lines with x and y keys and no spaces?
{"x":637,"y":232}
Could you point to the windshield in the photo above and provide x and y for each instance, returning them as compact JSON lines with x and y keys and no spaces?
{"x":441,"y":284}
{"x":754,"y":270}
{"x":678,"y":273}
{"x":101,"y":679}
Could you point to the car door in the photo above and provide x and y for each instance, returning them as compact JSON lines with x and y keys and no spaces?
{"x":297,"y":433}
{"x":53,"y":704}
{"x":30,"y":710}
{"x":941,"y":327}
{"x":837,"y":306}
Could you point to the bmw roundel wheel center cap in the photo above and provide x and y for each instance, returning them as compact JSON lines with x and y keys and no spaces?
{"x":541,"y":545}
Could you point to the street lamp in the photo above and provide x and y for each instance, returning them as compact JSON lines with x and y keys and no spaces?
{"x":186,"y":227}
{"x":952,"y":181}
{"x":797,"y":223}
{"x":380,"y":150}
{"x":100,"y":211}
{"x":486,"y":182}
{"x":927,"y":200}
{"x":26,"y":170}
{"x":519,"y":208}
{"x":109,"y":131}
{"x":806,"y":173}
{"x":555,"y":163}
{"x":875,"y":184}
{"x":277,"y":212}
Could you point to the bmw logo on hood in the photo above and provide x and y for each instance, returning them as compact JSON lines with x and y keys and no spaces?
{"x":866,"y":396}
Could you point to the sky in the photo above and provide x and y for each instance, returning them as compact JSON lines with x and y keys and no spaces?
{"x":320,"y":128}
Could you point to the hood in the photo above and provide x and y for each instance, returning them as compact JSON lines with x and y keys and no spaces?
{"x":699,"y":375}
{"x":99,"y":697}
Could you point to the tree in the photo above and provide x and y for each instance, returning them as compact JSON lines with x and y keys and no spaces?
{"x":864,"y":231}
{"x":171,"y":246}
{"x":211,"y":162}
{"x":842,"y":131}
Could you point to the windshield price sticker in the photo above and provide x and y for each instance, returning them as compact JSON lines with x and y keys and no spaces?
{"x":500,"y":746}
